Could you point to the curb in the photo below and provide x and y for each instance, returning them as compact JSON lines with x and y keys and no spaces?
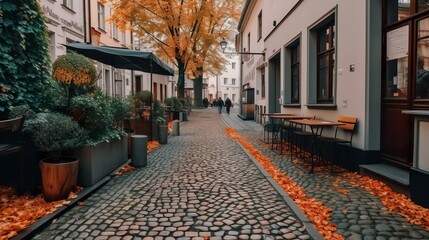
{"x":312,"y":231}
{"x":41,"y":223}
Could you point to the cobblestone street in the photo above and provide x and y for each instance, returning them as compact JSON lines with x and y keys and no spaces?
{"x":201,"y":184}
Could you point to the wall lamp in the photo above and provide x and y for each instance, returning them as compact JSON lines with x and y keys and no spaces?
{"x":224,"y":44}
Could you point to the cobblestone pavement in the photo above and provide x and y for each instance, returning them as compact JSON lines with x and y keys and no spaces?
{"x":358,"y":215}
{"x":199,"y":185}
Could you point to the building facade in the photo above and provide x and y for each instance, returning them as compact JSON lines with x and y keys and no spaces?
{"x":356,"y":58}
{"x":87,"y":21}
{"x":226,"y":84}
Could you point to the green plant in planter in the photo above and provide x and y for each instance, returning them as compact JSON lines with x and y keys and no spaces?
{"x":174,"y":104}
{"x":96,"y":115}
{"x":55,"y":133}
{"x":121,"y":110}
{"x":158,"y":112}
{"x":144,"y":97}
{"x":76,"y":72}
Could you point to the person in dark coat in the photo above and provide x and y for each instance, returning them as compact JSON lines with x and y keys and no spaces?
{"x":228,"y":104}
{"x":220,"y":104}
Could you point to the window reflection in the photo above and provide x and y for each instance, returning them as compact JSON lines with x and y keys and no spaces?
{"x":398,"y":10}
{"x":422,"y":74}
{"x":397,"y":78}
{"x":422,"y":5}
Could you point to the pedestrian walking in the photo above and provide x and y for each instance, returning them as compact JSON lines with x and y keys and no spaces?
{"x":228,"y":104}
{"x":220,"y":104}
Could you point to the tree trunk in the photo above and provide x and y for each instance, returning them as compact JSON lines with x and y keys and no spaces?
{"x":198,"y":91}
{"x":181,"y":80}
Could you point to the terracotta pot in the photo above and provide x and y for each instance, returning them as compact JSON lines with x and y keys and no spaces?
{"x":58,"y":179}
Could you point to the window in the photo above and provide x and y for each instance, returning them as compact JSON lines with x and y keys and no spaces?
{"x":225,"y":81}
{"x":233,"y":81}
{"x":124,"y":39}
{"x":115,"y":31}
{"x":68,"y":4}
{"x":325,"y":63}
{"x":260,"y":25}
{"x":233,"y":97}
{"x":422,"y":75}
{"x":292,"y":72}
{"x":101,"y":17}
{"x":233,"y":65}
{"x":262,"y":84}
{"x":295,"y":63}
{"x":248,"y":42}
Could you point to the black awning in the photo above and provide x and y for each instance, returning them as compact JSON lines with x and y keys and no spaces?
{"x":122,"y":58}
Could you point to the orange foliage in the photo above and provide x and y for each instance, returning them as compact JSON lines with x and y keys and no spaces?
{"x":151,"y":145}
{"x":125,"y":169}
{"x":395,"y":202}
{"x":316,"y":211}
{"x":19,"y":212}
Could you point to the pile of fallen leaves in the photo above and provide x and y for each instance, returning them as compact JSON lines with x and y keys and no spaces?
{"x":19,"y":212}
{"x":125,"y":169}
{"x":396,"y":203}
{"x":151,"y":145}
{"x":316,"y":211}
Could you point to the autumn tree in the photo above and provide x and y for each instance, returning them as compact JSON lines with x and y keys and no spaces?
{"x":177,"y":28}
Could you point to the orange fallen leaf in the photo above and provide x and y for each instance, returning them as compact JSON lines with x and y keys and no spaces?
{"x":315,"y":210}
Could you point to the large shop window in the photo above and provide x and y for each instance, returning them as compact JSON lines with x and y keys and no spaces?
{"x":407,"y":51}
{"x":397,"y":62}
{"x":422,"y":75}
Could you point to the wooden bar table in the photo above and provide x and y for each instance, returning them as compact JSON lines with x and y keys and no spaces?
{"x":316,"y":126}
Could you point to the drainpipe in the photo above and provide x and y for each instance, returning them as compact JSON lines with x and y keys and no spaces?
{"x":84,"y":23}
{"x":89,"y":21}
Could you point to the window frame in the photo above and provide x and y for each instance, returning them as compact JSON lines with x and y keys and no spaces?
{"x":115,"y":31}
{"x":68,"y":4}
{"x":101,"y":14}
{"x":260,"y":25}
{"x":313,"y":78}
{"x":292,"y":60}
{"x":329,"y":52}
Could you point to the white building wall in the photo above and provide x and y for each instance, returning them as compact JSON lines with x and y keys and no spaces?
{"x":350,"y":96}
{"x":113,"y":82}
{"x":216,"y":85}
{"x":64,"y":25}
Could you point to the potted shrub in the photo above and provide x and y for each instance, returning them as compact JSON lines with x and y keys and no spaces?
{"x":141,"y":117}
{"x":53,"y":134}
{"x":76,"y":73}
{"x":158,"y":113}
{"x":106,"y":148}
{"x":175,"y":106}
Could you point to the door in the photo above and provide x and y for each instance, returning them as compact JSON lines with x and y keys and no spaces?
{"x":406,"y":66}
{"x":274,"y":104}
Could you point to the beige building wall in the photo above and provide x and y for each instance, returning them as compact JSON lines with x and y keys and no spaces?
{"x":285,"y":21}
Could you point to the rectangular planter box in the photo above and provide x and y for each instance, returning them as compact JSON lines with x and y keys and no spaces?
{"x":96,"y":162}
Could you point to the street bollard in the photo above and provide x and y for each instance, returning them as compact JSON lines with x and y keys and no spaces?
{"x":176,"y":128}
{"x":139,"y":151}
{"x":162,"y":134}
